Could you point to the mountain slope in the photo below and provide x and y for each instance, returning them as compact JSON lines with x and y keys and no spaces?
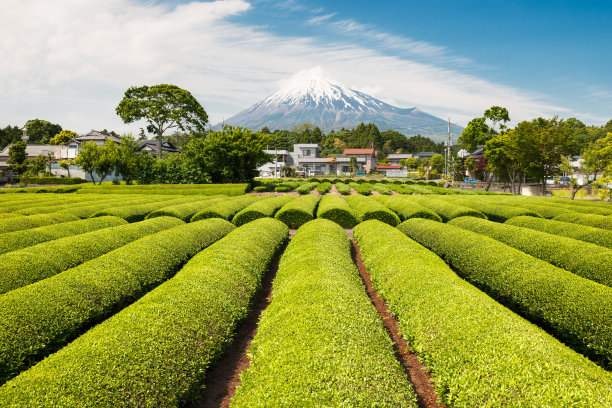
{"x":311,"y":98}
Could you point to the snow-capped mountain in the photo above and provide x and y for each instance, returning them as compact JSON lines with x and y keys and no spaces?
{"x":310,"y":97}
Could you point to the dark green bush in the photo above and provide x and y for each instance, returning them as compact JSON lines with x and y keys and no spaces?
{"x":261,"y":209}
{"x":406,"y":208}
{"x":299,"y":211}
{"x":336,"y":209}
{"x":432,"y":183}
{"x":370,"y":209}
{"x":323,"y":188}
{"x":306,"y":188}
{"x":283,"y":189}
{"x":261,"y":189}
{"x":343,"y":188}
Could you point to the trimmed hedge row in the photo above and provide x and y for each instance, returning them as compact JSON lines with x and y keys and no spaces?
{"x":28,"y":265}
{"x":55,"y":180}
{"x":479,"y":352}
{"x":406,"y":209}
{"x":12,"y":241}
{"x":323,"y":188}
{"x":336,"y":209}
{"x":155,"y":352}
{"x":494,"y":212}
{"x":370,"y":209}
{"x":261,"y":209}
{"x":138,"y":212}
{"x":445,"y":210}
{"x":306,"y":188}
{"x":362,"y":188}
{"x":322,"y":325}
{"x":299,"y":211}
{"x":559,"y":251}
{"x":94,"y":202}
{"x":343,"y":188}
{"x":33,"y":221}
{"x":226,"y":209}
{"x":585,"y":233}
{"x":591,"y":220}
{"x":187,"y":210}
{"x":87,"y":211}
{"x":576,"y":310}
{"x":51,"y":317}
{"x":170,"y":189}
{"x":381,"y":188}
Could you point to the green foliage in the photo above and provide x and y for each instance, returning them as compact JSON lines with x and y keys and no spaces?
{"x":41,"y":131}
{"x":406,"y":208}
{"x":591,"y":220}
{"x":102,"y":286}
{"x":343,"y":188}
{"x":336,"y":209}
{"x":12,"y":241}
{"x":370,"y":209}
{"x":322,"y":325}
{"x":576,"y":310}
{"x":261,"y":189}
{"x":261,"y":209}
{"x":28,"y":265}
{"x":306,"y":187}
{"x":226,"y":209}
{"x":187,"y":210}
{"x":476,"y":349}
{"x":554,"y":249}
{"x":323,"y":187}
{"x":8,"y":135}
{"x":361,"y":188}
{"x":138,"y":212}
{"x":494,"y":212}
{"x":381,"y":188}
{"x":170,"y":189}
{"x":17,"y":157}
{"x":477,"y":132}
{"x":33,"y":221}
{"x":63,"y":137}
{"x":299,"y":211}
{"x":282,"y":189}
{"x":446,"y":211}
{"x":585,"y":233}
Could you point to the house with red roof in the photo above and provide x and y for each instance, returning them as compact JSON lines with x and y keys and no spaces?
{"x":365,"y":157}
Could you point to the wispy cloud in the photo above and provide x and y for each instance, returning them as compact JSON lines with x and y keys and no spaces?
{"x":320,"y":19}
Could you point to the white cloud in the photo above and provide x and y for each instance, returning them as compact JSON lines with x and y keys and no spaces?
{"x":70,"y":61}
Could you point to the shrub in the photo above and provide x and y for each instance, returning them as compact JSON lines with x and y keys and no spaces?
{"x":33,"y":221}
{"x":138,"y":212}
{"x":494,"y":212}
{"x":432,"y":183}
{"x":187,"y":210}
{"x":477,"y":349}
{"x":585,"y":233}
{"x":343,"y":188}
{"x":361,"y":188}
{"x":591,"y":220}
{"x":306,"y":188}
{"x":336,"y":209}
{"x":12,"y":241}
{"x":323,"y":187}
{"x":28,"y":265}
{"x":226,"y":209}
{"x":260,"y":189}
{"x":261,"y":209}
{"x":299,"y":211}
{"x":559,"y":251}
{"x":55,"y":180}
{"x":446,"y":211}
{"x":370,"y":209}
{"x":576,"y":310}
{"x":102,"y":286}
{"x":161,"y":334}
{"x":330,"y":334}
{"x":381,"y":188}
{"x":283,"y":189}
{"x":406,"y":209}
{"x":421,"y":183}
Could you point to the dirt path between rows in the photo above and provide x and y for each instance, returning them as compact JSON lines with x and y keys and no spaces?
{"x":415,"y":370}
{"x":222,"y":379}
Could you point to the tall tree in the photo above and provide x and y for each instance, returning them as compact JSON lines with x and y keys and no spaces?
{"x":163,"y":107}
{"x":17,"y":157}
{"x":63,"y":137}
{"x":596,"y":159}
{"x":498,"y":116}
{"x":8,"y":135}
{"x":41,"y":131}
{"x":88,"y":158}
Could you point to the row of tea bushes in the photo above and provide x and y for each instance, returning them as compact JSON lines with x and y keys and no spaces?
{"x":494,"y":212}
{"x":43,"y":317}
{"x":321,"y":342}
{"x":381,"y":189}
{"x":361,"y":188}
{"x":261,"y":209}
{"x":323,"y":188}
{"x":226,"y":209}
{"x":554,"y":249}
{"x":306,"y":188}
{"x":32,"y":221}
{"x":591,"y":220}
{"x":445,"y":210}
{"x":406,"y":208}
{"x":343,"y":188}
{"x":170,"y":189}
{"x":336,"y":209}
{"x":479,"y":352}
{"x":138,"y":212}
{"x":31,"y":264}
{"x":12,"y":241}
{"x":367,"y":209}
{"x":576,"y":310}
{"x":186,"y":211}
{"x":585,"y":233}
{"x":299,"y":211}
{"x":85,"y":209}
{"x":155,"y":352}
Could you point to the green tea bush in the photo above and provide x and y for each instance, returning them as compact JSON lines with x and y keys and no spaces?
{"x":343,"y":188}
{"x":432,"y":183}
{"x":169,"y":337}
{"x":227,"y":208}
{"x":576,"y":310}
{"x":51,"y":317}
{"x":299,"y":211}
{"x":283,"y":189}
{"x":361,"y":188}
{"x":381,"y":188}
{"x":138,"y":212}
{"x":554,"y":249}
{"x":421,"y":182}
{"x":322,"y":325}
{"x":28,"y":265}
{"x":475,"y":348}
{"x":306,"y":188}
{"x":261,"y":189}
{"x":591,"y":220}
{"x":585,"y":233}
{"x":261,"y":209}
{"x":187,"y":210}
{"x":370,"y":209}
{"x":33,"y":221}
{"x":406,"y":209}
{"x":323,"y":188}
{"x":12,"y":241}
{"x":445,"y":210}
{"x":336,"y":209}
{"x":494,"y":212}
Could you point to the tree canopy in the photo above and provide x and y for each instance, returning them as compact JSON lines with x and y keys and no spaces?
{"x":63,"y":137}
{"x":41,"y":131}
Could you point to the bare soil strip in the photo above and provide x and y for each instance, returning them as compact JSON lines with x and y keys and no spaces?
{"x":416,"y":371}
{"x":222,"y":379}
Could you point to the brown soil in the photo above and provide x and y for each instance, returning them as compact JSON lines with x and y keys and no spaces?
{"x":222,"y":379}
{"x":416,"y":371}
{"x":333,"y":190}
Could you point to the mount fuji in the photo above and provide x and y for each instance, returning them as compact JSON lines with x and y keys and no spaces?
{"x":311,"y":97}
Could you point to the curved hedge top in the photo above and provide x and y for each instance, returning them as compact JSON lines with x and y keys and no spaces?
{"x":261,"y":209}
{"x":138,"y":212}
{"x":592,"y":220}
{"x":226,"y":209}
{"x":370,"y":209}
{"x":33,"y":221}
{"x":306,"y":187}
{"x":187,"y":210}
{"x":446,"y":211}
{"x":299,"y":211}
{"x":494,"y":212}
{"x":406,"y":208}
{"x":336,"y":209}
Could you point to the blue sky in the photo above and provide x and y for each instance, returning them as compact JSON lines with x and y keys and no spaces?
{"x":71,"y":60}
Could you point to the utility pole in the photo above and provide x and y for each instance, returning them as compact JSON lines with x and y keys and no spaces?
{"x":447,"y":152}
